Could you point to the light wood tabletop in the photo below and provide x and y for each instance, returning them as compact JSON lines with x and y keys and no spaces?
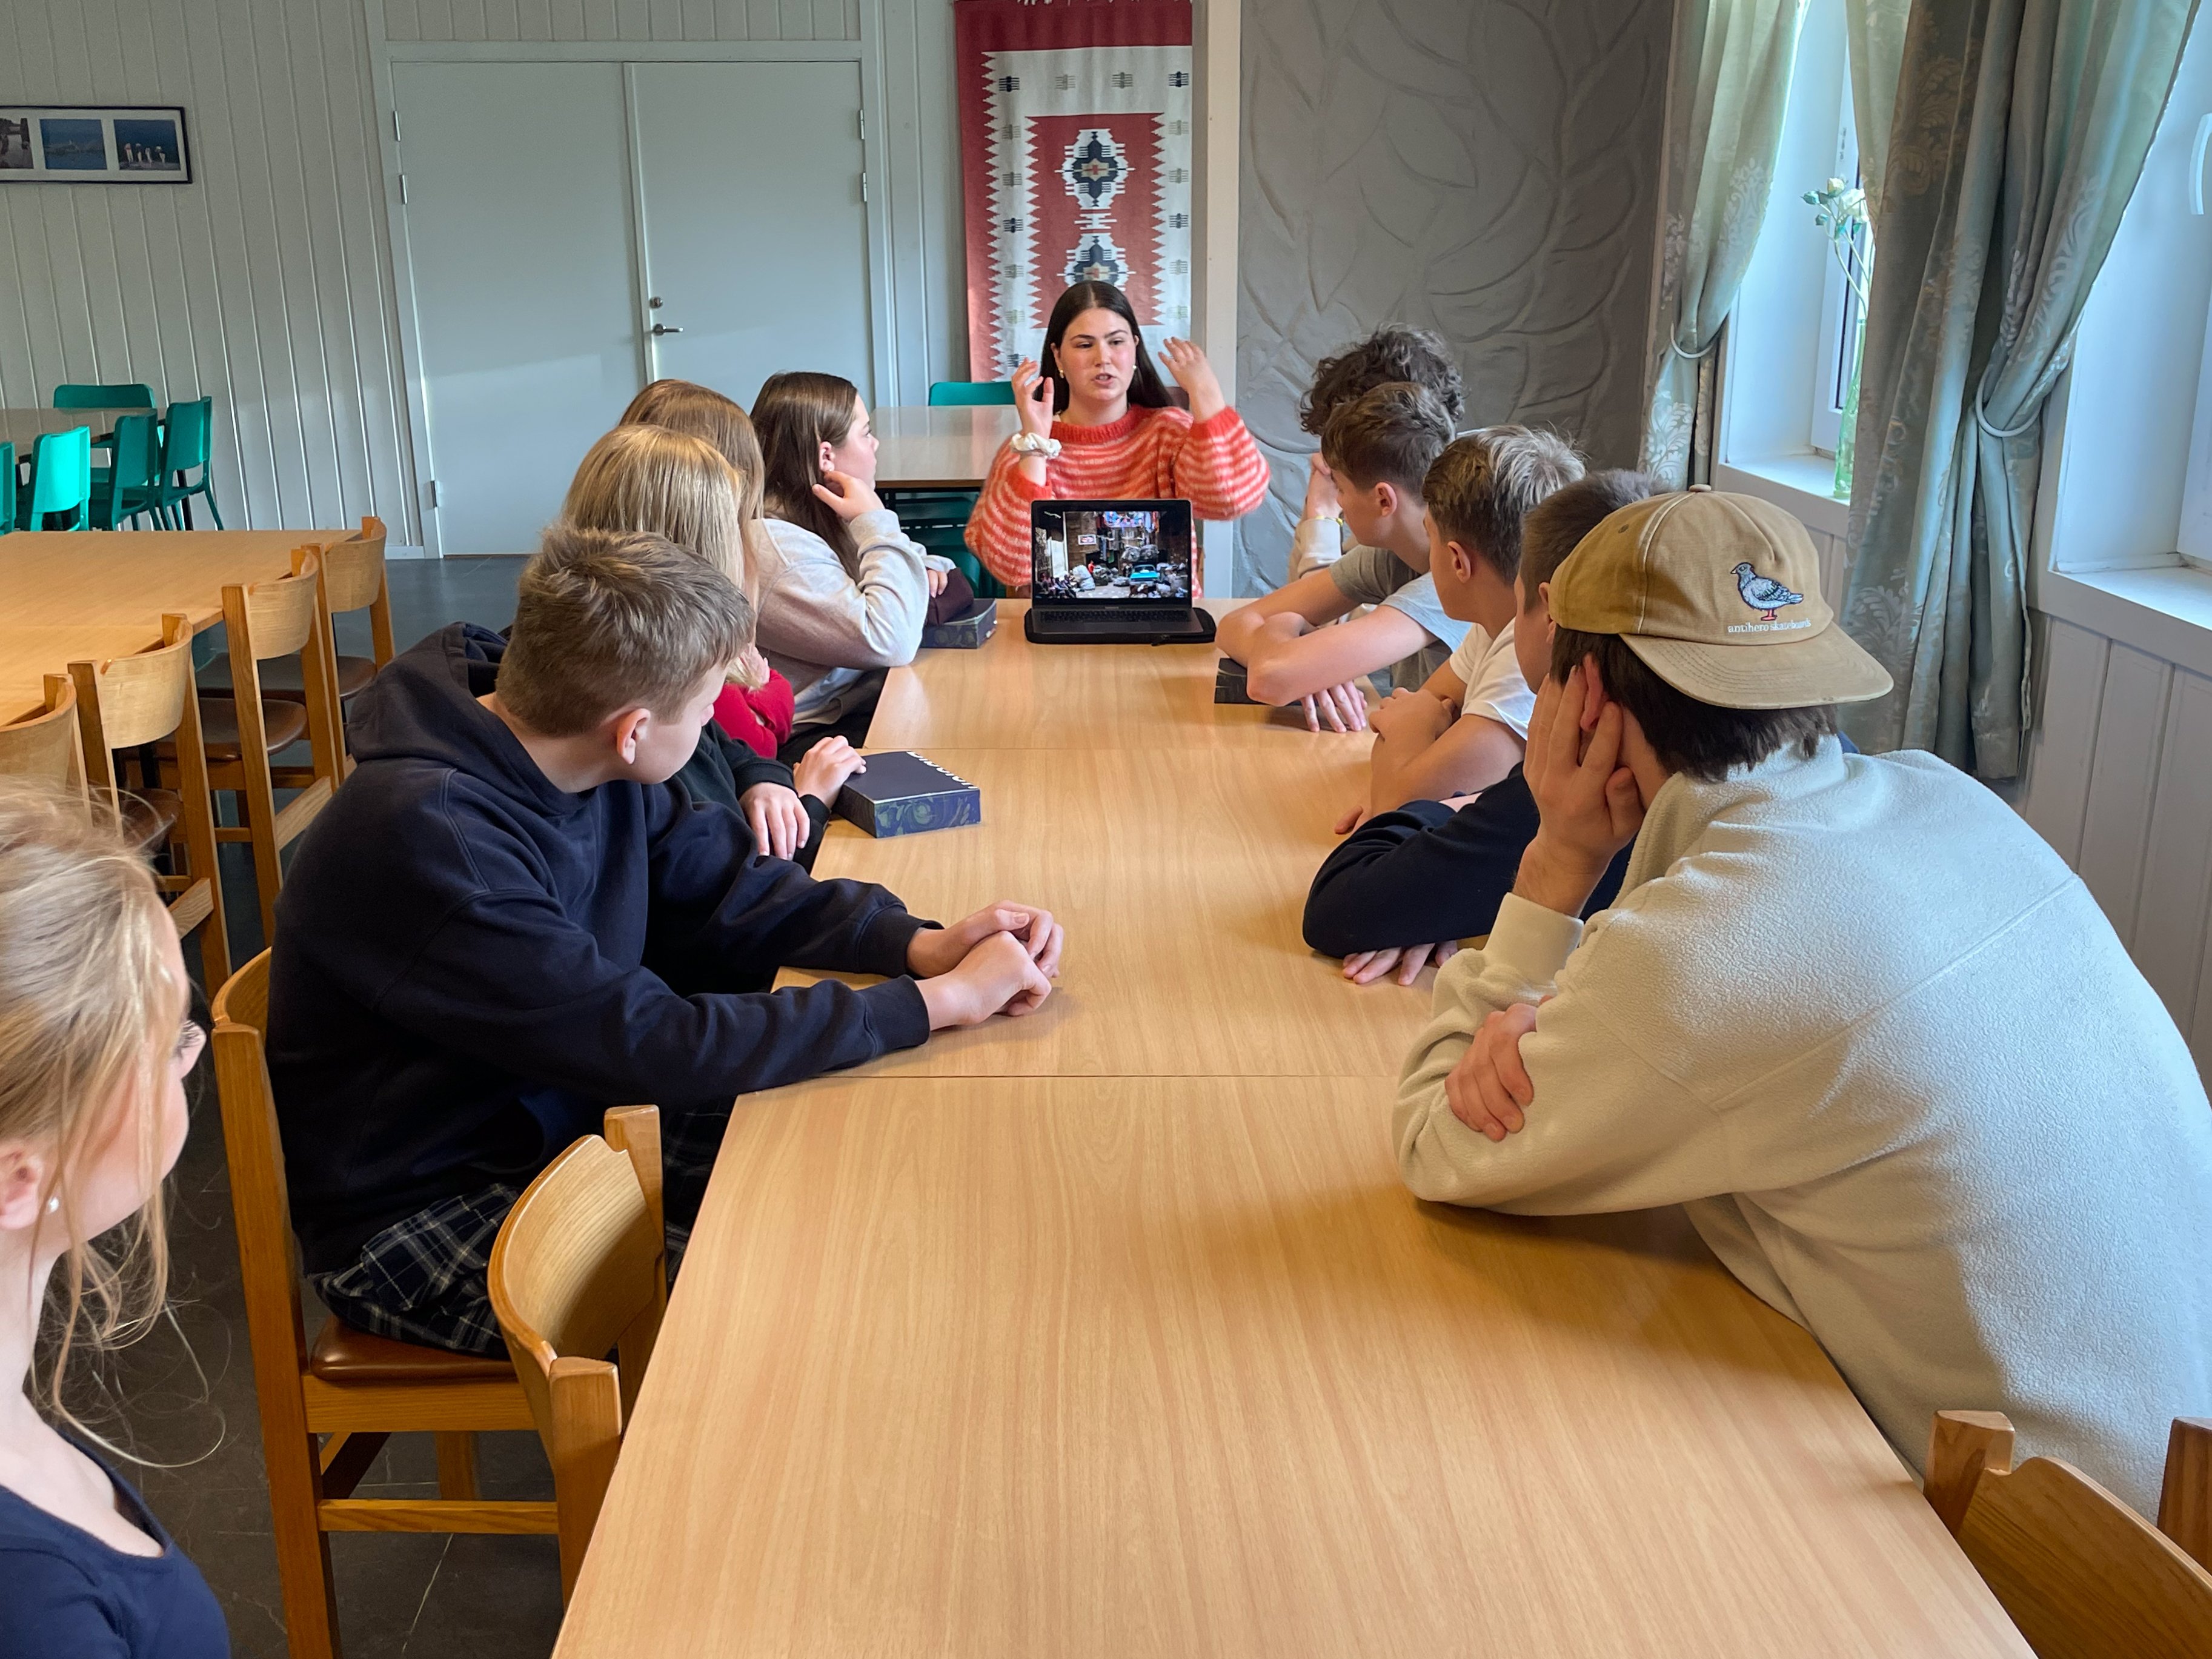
{"x":1113,"y":1330}
{"x":1180,"y":877}
{"x":1008,"y":694}
{"x":66,"y":597}
{"x":939,"y":448}
{"x":23,"y":427}
{"x":1132,"y":1366}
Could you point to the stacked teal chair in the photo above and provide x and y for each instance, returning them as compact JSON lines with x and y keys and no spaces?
{"x":938,"y":518}
{"x":961,"y":394}
{"x":133,"y":394}
{"x":7,"y":488}
{"x":132,"y":487}
{"x":185,"y":446}
{"x":61,"y":481}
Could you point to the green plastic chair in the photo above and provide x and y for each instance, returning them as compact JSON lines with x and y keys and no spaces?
{"x":61,"y":480}
{"x":7,"y":488}
{"x":961,"y":394}
{"x":183,"y":446}
{"x":134,"y":395}
{"x":132,"y":487}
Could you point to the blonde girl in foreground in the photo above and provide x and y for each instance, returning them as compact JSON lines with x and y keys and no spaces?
{"x":94,"y":1046}
{"x":671,"y":484}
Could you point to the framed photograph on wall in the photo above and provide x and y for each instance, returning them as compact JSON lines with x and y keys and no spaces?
{"x":97,"y":145}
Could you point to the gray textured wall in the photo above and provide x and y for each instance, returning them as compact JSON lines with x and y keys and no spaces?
{"x":1488,"y":169}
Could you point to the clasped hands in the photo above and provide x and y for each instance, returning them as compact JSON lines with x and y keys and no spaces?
{"x":1003,"y":959}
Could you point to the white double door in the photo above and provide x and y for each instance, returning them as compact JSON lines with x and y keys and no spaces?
{"x":576,"y":229}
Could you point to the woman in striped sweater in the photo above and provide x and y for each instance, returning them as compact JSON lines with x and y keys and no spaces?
{"x":1116,"y":437}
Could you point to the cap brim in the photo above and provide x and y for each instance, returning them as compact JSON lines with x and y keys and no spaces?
{"x":1830,"y":667}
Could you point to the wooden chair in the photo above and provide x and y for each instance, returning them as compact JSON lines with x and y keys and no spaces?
{"x":327,"y":1409}
{"x":274,"y":619}
{"x":579,"y":1269}
{"x":2081,"y":1574}
{"x":353,"y":580}
{"x":46,"y":746}
{"x":131,"y":702}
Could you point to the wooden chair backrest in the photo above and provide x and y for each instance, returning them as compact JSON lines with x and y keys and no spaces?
{"x":579,"y":1269}
{"x":352,"y":570}
{"x":254,"y":1148}
{"x":2081,"y":1574}
{"x":2184,"y":1504}
{"x":130,"y":701}
{"x":280,"y":613}
{"x":46,"y":746}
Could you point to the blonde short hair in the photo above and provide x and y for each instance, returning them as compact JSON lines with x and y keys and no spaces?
{"x":670,"y":483}
{"x":89,"y":1013}
{"x":1483,"y":485}
{"x":606,"y":620}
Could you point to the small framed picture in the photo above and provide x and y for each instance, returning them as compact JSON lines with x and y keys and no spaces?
{"x":103,"y":144}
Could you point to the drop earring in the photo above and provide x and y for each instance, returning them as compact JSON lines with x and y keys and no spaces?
{"x":53,"y":1204}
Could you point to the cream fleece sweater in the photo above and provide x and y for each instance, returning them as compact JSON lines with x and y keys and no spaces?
{"x":827,"y":632}
{"x":1881,"y":1044}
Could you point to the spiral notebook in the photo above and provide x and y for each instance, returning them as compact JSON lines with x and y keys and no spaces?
{"x":902,"y":794}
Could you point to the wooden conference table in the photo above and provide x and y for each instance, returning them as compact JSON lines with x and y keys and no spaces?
{"x":1113,"y":1331}
{"x":24,"y":427}
{"x":939,"y":448}
{"x":80,"y":595}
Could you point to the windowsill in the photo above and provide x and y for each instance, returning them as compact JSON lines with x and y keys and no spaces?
{"x":1800,"y":484}
{"x":2163,"y":610}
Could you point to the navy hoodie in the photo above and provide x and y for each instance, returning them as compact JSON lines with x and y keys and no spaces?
{"x":471,"y":965}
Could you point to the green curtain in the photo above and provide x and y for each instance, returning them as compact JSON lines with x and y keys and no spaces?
{"x":1730,"y":85}
{"x":2019,"y":131}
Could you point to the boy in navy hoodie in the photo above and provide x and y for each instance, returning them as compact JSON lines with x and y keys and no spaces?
{"x":508,"y":920}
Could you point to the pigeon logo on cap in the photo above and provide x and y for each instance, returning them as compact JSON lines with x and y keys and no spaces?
{"x":1766,"y":596}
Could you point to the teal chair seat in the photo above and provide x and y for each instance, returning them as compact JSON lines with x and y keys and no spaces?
{"x":957,"y":394}
{"x":133,"y":394}
{"x":61,"y":481}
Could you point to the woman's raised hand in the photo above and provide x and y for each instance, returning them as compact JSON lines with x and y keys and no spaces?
{"x":1033,"y":399}
{"x":847,"y":496}
{"x":1195,"y":376}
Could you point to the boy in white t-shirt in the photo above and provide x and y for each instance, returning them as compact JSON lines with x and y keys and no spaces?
{"x":1464,"y":729}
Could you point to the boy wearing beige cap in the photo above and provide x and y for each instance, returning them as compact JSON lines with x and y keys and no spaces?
{"x":1848,"y":1010}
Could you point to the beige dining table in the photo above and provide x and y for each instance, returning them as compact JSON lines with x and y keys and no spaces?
{"x":949,"y":448}
{"x":1113,"y":1331}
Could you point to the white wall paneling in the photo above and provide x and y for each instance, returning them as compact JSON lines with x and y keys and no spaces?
{"x":2119,"y":781}
{"x":265,"y":284}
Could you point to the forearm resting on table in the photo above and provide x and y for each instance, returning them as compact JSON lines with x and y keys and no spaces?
{"x":1471,"y":754}
{"x":1284,"y":668}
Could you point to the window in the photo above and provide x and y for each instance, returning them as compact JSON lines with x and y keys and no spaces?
{"x":1840,"y":306}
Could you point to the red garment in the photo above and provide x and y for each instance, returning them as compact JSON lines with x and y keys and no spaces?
{"x":760,"y":719}
{"x":1149,"y":454}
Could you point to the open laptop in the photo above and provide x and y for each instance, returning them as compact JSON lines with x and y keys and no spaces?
{"x":1113,"y":572}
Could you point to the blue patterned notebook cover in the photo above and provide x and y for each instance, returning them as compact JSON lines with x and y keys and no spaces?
{"x":902,"y":794}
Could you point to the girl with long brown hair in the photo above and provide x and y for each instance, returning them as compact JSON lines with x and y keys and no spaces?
{"x":1098,"y":424}
{"x":668,"y":482}
{"x":94,"y":1046}
{"x":849,"y":592}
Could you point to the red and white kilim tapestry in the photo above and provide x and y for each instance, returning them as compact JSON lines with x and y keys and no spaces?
{"x":1075,"y":152}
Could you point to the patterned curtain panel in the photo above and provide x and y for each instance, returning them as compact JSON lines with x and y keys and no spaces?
{"x":1075,"y":156}
{"x":2021,"y":130}
{"x":1731,"y":85}
{"x":1875,"y":31}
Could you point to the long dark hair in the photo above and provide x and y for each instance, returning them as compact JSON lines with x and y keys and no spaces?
{"x":1147,"y":390}
{"x":793,"y":417}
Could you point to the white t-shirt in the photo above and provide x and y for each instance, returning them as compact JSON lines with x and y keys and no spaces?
{"x":1495,"y":689}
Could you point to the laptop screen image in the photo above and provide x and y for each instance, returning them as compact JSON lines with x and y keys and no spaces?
{"x":1124,"y":552}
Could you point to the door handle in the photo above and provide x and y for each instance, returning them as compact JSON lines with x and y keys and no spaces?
{"x":663,"y":328}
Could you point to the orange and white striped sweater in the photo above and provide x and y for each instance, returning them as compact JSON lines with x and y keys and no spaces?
{"x":1149,"y":454}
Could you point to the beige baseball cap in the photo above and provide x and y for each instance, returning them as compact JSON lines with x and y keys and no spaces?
{"x":1720,"y":596}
